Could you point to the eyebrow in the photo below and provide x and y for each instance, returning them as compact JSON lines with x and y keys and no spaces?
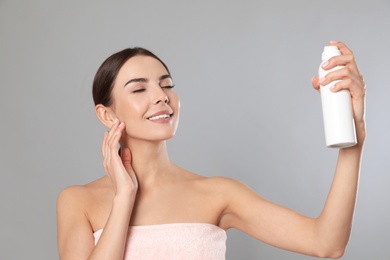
{"x":166,"y":76}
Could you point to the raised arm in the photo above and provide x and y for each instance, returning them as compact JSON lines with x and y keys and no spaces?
{"x":75,"y":234}
{"x":328,"y":234}
{"x":335,"y":221}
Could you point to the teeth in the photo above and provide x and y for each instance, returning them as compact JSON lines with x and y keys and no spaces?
{"x":159,"y":117}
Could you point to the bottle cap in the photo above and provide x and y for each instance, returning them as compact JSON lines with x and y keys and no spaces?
{"x":329,"y":52}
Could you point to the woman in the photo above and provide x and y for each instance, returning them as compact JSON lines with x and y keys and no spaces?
{"x":149,"y":208}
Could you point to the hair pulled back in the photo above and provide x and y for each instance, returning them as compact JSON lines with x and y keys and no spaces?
{"x":104,"y":80}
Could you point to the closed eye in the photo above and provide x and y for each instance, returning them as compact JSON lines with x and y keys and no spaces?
{"x":138,"y":90}
{"x":169,"y":86}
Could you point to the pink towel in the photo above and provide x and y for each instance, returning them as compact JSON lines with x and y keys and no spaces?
{"x":174,"y":241}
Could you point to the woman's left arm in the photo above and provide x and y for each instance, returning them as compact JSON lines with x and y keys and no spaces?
{"x":335,"y":221}
{"x":328,"y":234}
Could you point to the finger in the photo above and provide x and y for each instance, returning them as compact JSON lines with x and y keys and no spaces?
{"x":107,"y":138}
{"x":126,"y":159}
{"x":354,"y":84}
{"x":103,"y":148}
{"x":338,"y":74}
{"x":342,"y":74}
{"x":112,"y":147}
{"x":110,"y":134}
{"x":104,"y":152}
{"x":342,"y":84}
{"x":114,"y":139}
{"x":346,"y":59}
{"x":340,"y":60}
{"x":106,"y":145}
{"x":341,"y":46}
{"x":315,"y":83}
{"x":113,"y":128}
{"x":112,"y":161}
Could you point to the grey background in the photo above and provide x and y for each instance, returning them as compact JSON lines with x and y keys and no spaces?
{"x":243,"y":71}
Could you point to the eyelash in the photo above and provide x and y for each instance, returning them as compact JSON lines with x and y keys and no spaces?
{"x":142,"y":89}
{"x":172,"y":86}
{"x":139,"y":90}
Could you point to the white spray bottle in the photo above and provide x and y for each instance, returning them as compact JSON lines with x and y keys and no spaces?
{"x":336,"y":108}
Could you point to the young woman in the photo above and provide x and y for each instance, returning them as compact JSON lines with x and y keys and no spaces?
{"x":146,"y":207}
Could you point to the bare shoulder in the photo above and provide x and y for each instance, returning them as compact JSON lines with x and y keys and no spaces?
{"x":215,"y":184}
{"x":76,"y":218}
{"x":224,"y":184}
{"x":72,"y":196}
{"x":71,"y":203}
{"x":219,"y":186}
{"x":83,"y":201}
{"x":78,"y":194}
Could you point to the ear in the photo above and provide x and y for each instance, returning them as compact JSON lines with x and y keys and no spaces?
{"x":105,"y":115}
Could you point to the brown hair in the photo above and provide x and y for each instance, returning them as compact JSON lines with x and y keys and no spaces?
{"x":104,"y":80}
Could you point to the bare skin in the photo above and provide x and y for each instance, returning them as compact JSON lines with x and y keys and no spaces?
{"x":143,"y":187}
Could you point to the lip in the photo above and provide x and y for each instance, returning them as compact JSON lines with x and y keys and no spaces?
{"x":163,"y":112}
{"x":161,"y":120}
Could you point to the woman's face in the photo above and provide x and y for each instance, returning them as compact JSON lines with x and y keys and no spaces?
{"x":144,"y":100}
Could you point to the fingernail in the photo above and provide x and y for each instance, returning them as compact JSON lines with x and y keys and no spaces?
{"x":121,"y":124}
{"x":115,"y":120}
{"x":322,"y":79}
{"x":325,"y":64}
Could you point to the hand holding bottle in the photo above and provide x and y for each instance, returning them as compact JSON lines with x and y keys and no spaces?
{"x":341,"y":77}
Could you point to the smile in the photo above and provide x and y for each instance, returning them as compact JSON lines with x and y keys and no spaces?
{"x":159,"y":117}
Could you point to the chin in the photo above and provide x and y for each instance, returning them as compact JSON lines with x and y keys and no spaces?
{"x":164,"y":137}
{"x":153,"y":136}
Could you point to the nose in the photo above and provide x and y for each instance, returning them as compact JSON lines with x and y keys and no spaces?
{"x":165,"y":100}
{"x":160,"y":97}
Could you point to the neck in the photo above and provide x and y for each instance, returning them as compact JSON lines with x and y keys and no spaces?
{"x":150,"y":160}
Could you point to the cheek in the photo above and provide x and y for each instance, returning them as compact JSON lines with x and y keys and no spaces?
{"x":130,"y":110}
{"x":174,"y":101}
